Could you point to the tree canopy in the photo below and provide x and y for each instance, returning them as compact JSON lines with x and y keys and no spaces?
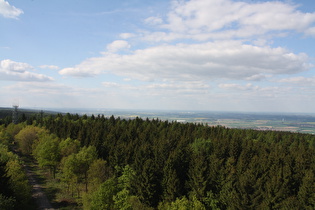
{"x":154,"y":164}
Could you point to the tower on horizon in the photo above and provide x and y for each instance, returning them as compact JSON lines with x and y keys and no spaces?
{"x":15,"y":114}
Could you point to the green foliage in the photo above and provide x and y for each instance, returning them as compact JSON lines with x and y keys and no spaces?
{"x":28,"y":137}
{"x":5,"y":137}
{"x":7,"y":133}
{"x":98,"y":173}
{"x":201,"y":146}
{"x":68,"y":147}
{"x":6,"y":193}
{"x":115,"y":193}
{"x":211,"y":202}
{"x":85,"y":158}
{"x":146,"y":183}
{"x":75,"y":166}
{"x":198,"y":167}
{"x":6,"y":155}
{"x":170,"y":182}
{"x":18,"y":181}
{"x":13,"y":129}
{"x":15,"y":191}
{"x":170,"y":165}
{"x":47,"y":152}
{"x":103,"y":198}
{"x":123,"y":199}
{"x":126,"y":178}
{"x":6,"y":203}
{"x":183,"y":204}
{"x":70,"y":172}
{"x":306,"y":194}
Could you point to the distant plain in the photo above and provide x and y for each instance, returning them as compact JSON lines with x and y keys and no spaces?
{"x":292,"y":122}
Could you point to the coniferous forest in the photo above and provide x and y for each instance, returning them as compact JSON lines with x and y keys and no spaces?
{"x":114,"y":163}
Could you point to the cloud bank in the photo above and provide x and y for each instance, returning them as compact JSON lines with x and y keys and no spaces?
{"x":226,"y":19}
{"x":222,"y":59}
{"x":17,"y":71}
{"x":231,"y":43}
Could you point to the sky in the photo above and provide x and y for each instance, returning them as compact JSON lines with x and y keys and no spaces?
{"x":209,"y":55}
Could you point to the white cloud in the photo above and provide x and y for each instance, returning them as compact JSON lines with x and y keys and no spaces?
{"x":203,"y":20}
{"x":148,"y":91}
{"x":118,"y":45}
{"x":225,"y":19}
{"x":249,"y":92}
{"x":303,"y":81}
{"x":127,"y":35}
{"x":127,"y":79}
{"x":8,"y":11}
{"x":311,"y":31}
{"x":77,"y":72}
{"x":111,"y":84}
{"x":13,"y":66}
{"x":237,"y":87}
{"x":17,"y":71}
{"x":40,"y":88}
{"x":207,"y":61}
{"x":178,"y":88}
{"x":257,"y":77}
{"x":185,"y":86}
{"x":153,"y":20}
{"x":52,"y":67}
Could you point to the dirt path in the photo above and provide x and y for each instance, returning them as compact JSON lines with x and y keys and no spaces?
{"x":37,"y":193}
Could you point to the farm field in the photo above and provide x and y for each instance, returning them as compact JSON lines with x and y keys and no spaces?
{"x":293,"y":122}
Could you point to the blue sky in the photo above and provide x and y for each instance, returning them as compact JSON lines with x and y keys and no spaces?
{"x":218,"y":55}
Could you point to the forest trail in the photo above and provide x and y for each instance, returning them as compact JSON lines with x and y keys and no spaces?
{"x":37,"y":193}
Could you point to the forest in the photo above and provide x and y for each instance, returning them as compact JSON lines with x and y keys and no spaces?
{"x":114,"y":163}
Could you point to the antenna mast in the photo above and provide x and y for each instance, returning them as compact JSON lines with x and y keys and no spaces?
{"x":15,"y":113}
